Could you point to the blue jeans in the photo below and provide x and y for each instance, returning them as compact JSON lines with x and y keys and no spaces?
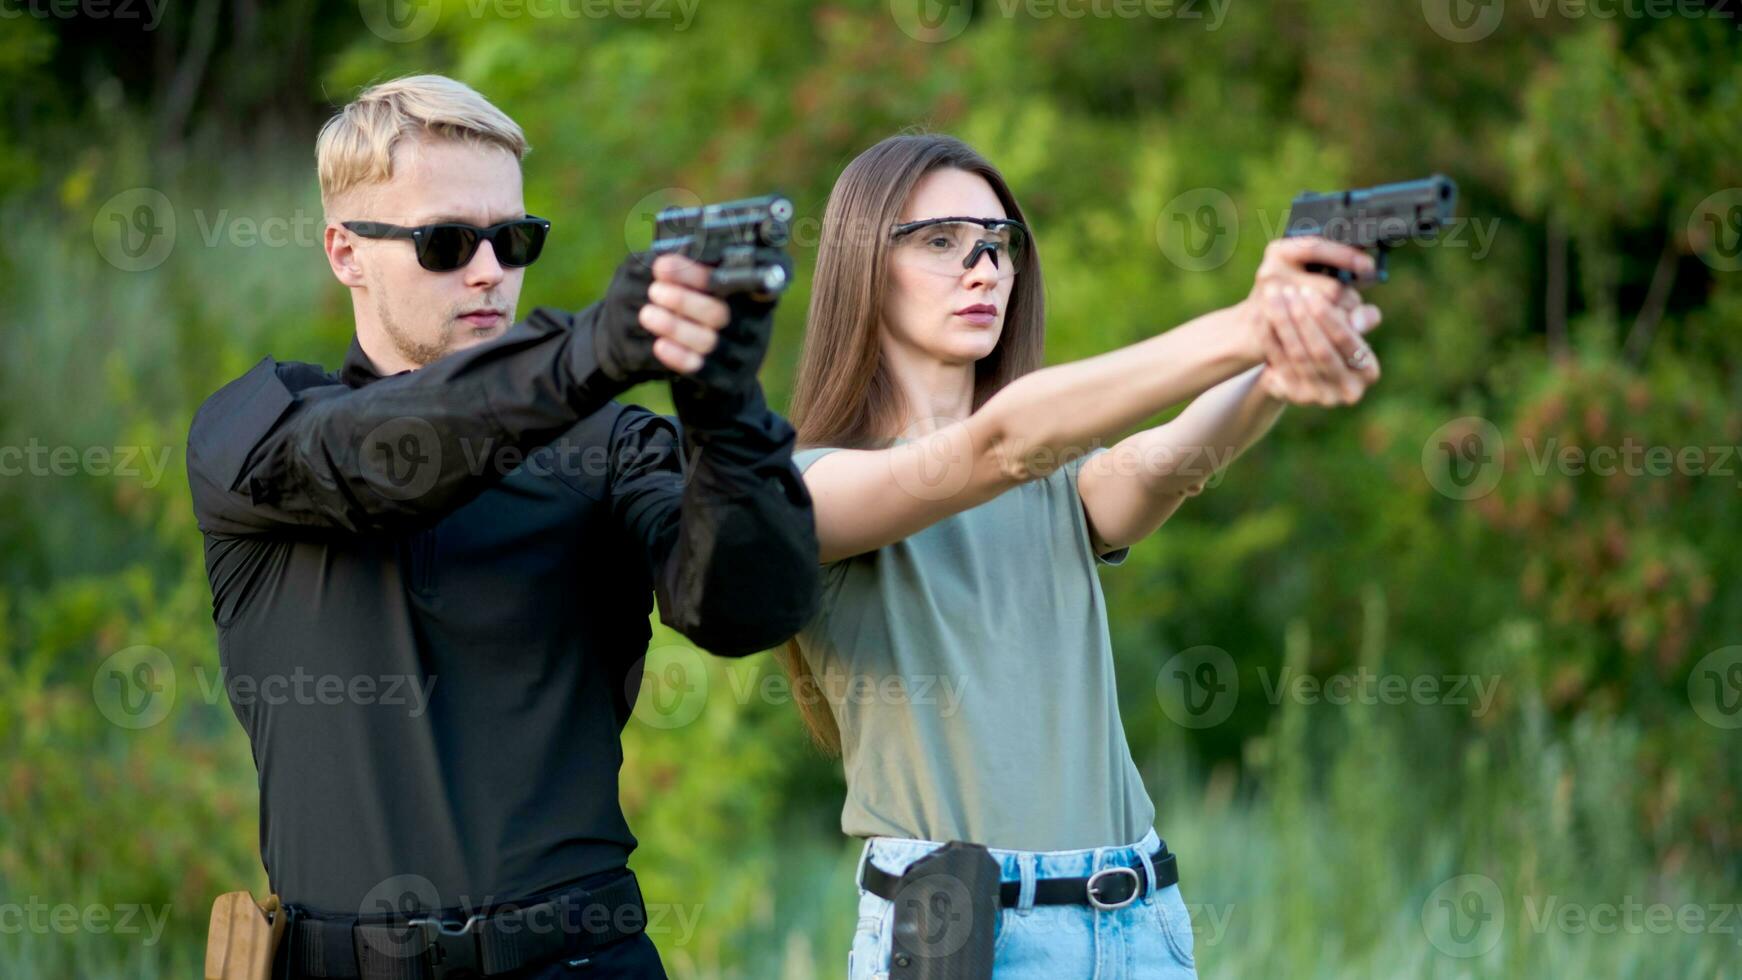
{"x":1150,"y":938}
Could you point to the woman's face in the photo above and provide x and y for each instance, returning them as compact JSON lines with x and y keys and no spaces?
{"x":948,"y":313}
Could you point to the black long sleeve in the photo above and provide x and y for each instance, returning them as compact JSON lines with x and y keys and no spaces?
{"x":725,"y":518}
{"x":277,"y":450}
{"x":474,"y":548}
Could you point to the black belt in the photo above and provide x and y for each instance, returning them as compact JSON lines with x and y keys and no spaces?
{"x":1106,"y":889}
{"x":569,"y":924}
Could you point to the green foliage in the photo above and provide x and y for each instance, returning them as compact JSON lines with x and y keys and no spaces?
{"x":1321,"y":830}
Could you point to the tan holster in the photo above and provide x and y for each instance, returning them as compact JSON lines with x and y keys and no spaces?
{"x":243,"y":937}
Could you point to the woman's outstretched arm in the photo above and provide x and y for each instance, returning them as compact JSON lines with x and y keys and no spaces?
{"x":1132,"y":490}
{"x":866,"y":499}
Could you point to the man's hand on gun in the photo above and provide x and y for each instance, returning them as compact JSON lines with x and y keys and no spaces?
{"x":659,"y":318}
{"x":699,"y":307}
{"x":684,"y":317}
{"x":1310,"y":324}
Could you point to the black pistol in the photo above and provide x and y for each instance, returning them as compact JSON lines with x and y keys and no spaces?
{"x":745,"y":242}
{"x":1375,"y":219}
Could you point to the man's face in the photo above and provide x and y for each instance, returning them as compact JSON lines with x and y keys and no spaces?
{"x":425,"y":315}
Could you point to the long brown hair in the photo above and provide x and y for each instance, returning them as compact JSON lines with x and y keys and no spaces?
{"x":844,"y":395}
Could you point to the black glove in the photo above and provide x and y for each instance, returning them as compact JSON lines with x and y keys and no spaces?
{"x":726,"y":381}
{"x":623,"y":347}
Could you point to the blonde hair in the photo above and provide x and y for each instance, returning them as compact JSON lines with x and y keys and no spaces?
{"x":356,"y":146}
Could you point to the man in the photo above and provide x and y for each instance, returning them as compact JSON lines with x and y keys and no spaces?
{"x":432,"y":571}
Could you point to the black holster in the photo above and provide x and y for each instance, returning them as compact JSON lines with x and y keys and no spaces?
{"x":946,"y":911}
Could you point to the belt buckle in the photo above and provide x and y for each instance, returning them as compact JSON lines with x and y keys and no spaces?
{"x":1095,"y":884}
{"x":453,"y":952}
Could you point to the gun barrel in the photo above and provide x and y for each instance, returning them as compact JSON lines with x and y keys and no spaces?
{"x":765,"y":221}
{"x":1376,"y":216}
{"x":745,"y":241}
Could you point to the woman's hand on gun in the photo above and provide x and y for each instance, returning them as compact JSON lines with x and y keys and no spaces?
{"x":1310,"y":324}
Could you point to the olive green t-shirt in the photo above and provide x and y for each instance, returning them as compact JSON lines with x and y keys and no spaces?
{"x":971,"y":674}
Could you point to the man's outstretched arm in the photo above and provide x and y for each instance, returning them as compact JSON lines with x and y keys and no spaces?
{"x":268,"y":452}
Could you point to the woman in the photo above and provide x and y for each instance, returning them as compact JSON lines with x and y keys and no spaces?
{"x":963,"y":648}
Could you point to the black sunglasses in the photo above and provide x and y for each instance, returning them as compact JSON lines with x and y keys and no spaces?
{"x":450,"y":245}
